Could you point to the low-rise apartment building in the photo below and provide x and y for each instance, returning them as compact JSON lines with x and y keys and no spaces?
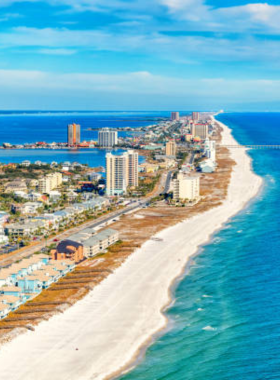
{"x":50,"y":182}
{"x":28,"y":228}
{"x":92,"y":243}
{"x":185,"y":187}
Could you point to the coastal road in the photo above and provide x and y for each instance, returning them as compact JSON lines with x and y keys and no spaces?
{"x":101,"y":222}
{"x":167,"y":182}
{"x":64,"y":235}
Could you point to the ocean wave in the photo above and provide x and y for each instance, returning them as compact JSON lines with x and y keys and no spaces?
{"x":209,"y":328}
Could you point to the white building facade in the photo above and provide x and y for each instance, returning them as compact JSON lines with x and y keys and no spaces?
{"x":107,"y":138}
{"x":121,"y":172}
{"x":186,"y":187}
{"x":210,"y":149}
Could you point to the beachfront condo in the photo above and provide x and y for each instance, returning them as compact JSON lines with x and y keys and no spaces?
{"x":185,"y":187}
{"x":121,"y":172}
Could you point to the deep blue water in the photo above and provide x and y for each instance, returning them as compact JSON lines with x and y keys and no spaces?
{"x":92,"y":157}
{"x":29,"y":127}
{"x":225,"y":320}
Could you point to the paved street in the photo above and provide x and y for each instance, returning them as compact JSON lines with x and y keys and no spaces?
{"x":102,"y":221}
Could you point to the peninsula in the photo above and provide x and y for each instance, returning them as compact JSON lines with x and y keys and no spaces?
{"x":102,"y":334}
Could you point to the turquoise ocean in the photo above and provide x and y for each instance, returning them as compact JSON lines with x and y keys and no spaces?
{"x":224,"y":322}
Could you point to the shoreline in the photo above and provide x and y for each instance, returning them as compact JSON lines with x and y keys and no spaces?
{"x":159,"y":274}
{"x":139,"y":355}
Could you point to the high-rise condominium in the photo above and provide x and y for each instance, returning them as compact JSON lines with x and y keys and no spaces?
{"x":121,"y":172}
{"x":74,"y":134}
{"x":132,"y":168}
{"x":200,"y":130}
{"x":195,"y":116}
{"x":107,"y":138}
{"x":175,"y":116}
{"x":170,"y":148}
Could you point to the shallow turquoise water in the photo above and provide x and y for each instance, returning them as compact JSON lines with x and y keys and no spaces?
{"x":225,"y":321}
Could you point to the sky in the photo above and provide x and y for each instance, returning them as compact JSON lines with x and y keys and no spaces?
{"x":140,"y":55}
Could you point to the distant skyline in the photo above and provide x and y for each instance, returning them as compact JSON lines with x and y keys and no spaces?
{"x":139,"y":55}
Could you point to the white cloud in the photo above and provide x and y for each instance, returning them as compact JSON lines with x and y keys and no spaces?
{"x":193,"y":10}
{"x":137,"y":83}
{"x":57,"y":51}
{"x":134,"y":90}
{"x":251,"y":16}
{"x":245,"y":17}
{"x":185,"y":49}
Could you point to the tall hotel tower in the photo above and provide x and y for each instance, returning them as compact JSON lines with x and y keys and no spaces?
{"x":107,"y":138}
{"x":171,"y":148}
{"x":195,"y":116}
{"x":121,"y":172}
{"x":74,"y":134}
{"x":175,"y":116}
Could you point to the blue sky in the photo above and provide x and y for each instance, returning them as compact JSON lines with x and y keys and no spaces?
{"x":139,"y":54}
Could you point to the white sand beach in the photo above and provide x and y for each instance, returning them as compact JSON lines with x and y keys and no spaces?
{"x":102,"y":333}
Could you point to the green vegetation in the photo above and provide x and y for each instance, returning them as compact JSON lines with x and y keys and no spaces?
{"x":7,"y":199}
{"x":147,"y":185}
{"x":181,"y":156}
{"x":32,"y":172}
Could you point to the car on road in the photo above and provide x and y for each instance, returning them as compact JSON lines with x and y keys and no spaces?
{"x":55,"y":239}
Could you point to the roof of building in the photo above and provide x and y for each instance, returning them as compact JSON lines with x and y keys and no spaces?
{"x":38,"y":277}
{"x":9,"y":299}
{"x":26,"y":226}
{"x":10,"y":289}
{"x":3,"y":307}
{"x":42,"y":256}
{"x":5,"y":273}
{"x":16,"y":268}
{"x":65,"y":246}
{"x":59,"y":267}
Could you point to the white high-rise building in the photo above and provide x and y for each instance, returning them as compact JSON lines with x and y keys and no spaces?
{"x":121,"y":172}
{"x":132,"y":168}
{"x":210,"y":149}
{"x":185,"y":187}
{"x":107,"y":138}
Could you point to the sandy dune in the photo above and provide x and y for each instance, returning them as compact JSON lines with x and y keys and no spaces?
{"x":103,"y":332}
